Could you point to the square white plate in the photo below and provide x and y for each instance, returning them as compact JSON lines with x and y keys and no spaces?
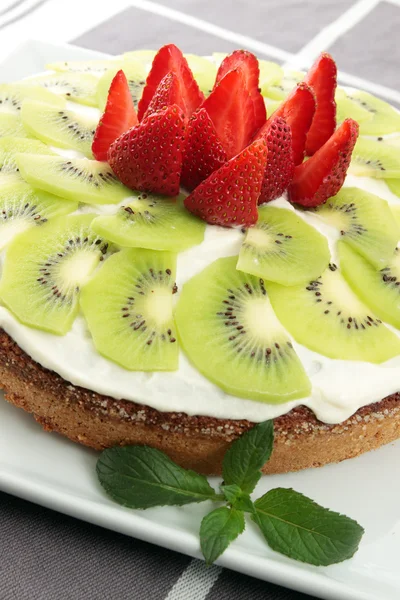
{"x":49,"y":470}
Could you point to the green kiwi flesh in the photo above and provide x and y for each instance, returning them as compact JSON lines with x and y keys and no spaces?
{"x":22,"y":207}
{"x":145,"y":57}
{"x":282,"y":247}
{"x":93,"y":67}
{"x":79,"y":87}
{"x":271,"y":74}
{"x":59,"y":126}
{"x":365,"y":222}
{"x":395,"y":210}
{"x":12,"y":96}
{"x":394,"y":186}
{"x":280,"y":90}
{"x":384,"y":118}
{"x":11,"y":125}
{"x":379,"y":289}
{"x":45,"y":268}
{"x":230,"y":333}
{"x":151,"y":221}
{"x":347,"y":108}
{"x":373,"y":158}
{"x":9,"y":147}
{"x":204,"y":72}
{"x":88,"y":181}
{"x":326,"y":316}
{"x":128,"y":306}
{"x":135,"y":75}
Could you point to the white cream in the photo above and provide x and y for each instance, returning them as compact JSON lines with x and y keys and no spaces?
{"x":339,"y":387}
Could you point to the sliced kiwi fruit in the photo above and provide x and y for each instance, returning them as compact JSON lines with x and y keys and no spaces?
{"x":204,"y":71}
{"x":128,"y":309}
{"x":151,"y":221}
{"x":365,"y":223}
{"x":135,"y":75}
{"x":80,"y":179}
{"x":384,"y":118}
{"x":326,"y":316}
{"x":271,"y":105}
{"x":145,"y":57}
{"x":347,"y":108}
{"x":9,"y":147}
{"x":281,"y":89}
{"x":59,"y":126}
{"x":92,"y":67}
{"x":394,"y":186}
{"x":373,"y":158}
{"x":379,"y":289}
{"x":12,"y":96}
{"x":229,"y":331}
{"x":79,"y":87}
{"x":282,"y":247}
{"x":45,"y":268}
{"x":11,"y":125}
{"x":22,"y":207}
{"x":271,"y":74}
{"x":395,"y":210}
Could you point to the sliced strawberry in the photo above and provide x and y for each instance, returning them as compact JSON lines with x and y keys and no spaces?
{"x":170,"y":58}
{"x":323,"y":174}
{"x":119,"y":116}
{"x":229,"y":196}
{"x":148,"y":157}
{"x":231,"y":110}
{"x":322,"y":80}
{"x":248,"y":64}
{"x":204,"y":153}
{"x":298,"y":111}
{"x":167,"y":93}
{"x":280,"y":166}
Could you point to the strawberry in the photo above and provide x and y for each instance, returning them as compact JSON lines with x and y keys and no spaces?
{"x":170,"y":58}
{"x":167,"y":93}
{"x":119,"y":116}
{"x":280,"y":166}
{"x":148,"y":157}
{"x":298,"y":111}
{"x":322,"y":80}
{"x":248,"y":64}
{"x":229,"y":196}
{"x":204,"y":153}
{"x":323,"y":174}
{"x":231,"y":110}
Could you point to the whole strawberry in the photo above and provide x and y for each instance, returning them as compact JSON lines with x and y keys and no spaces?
{"x":280,"y":166}
{"x":148,"y":157}
{"x":230,"y":195}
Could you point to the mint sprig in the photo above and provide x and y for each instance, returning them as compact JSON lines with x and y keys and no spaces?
{"x":292,"y":524}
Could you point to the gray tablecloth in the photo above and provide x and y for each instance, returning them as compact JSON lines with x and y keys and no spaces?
{"x":45,"y":555}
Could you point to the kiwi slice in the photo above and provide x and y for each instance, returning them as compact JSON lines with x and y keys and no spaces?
{"x":230,"y":333}
{"x":326,"y":316}
{"x":280,"y":90}
{"x":347,"y":108}
{"x":9,"y":147}
{"x":394,"y":186}
{"x":271,"y":105}
{"x":11,"y":125}
{"x":12,"y":96}
{"x":271,"y":74}
{"x":282,"y":247}
{"x":204,"y":71}
{"x":80,"y":87}
{"x":372,"y":158}
{"x":135,"y":75}
{"x":395,"y":210}
{"x":379,"y":289}
{"x":384,"y":118}
{"x":151,"y":221}
{"x":145,"y":57}
{"x":22,"y":207}
{"x":365,"y":223}
{"x":80,"y":179}
{"x":45,"y":268}
{"x":93,"y":67}
{"x":59,"y":126}
{"x":128,"y":309}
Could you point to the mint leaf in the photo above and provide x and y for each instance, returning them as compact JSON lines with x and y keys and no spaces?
{"x":218,"y":529}
{"x":142,"y":477}
{"x":234,"y":495}
{"x":301,"y":529}
{"x":246,"y":456}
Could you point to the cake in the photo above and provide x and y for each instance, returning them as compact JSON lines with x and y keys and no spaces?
{"x":177,"y":267}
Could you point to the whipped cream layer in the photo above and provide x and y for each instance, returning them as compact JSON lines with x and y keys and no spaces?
{"x":339,"y":387}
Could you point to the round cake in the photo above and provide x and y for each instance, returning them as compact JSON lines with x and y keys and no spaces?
{"x":177,"y":267}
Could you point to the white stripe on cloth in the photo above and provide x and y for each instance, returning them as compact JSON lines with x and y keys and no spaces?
{"x":195,"y":582}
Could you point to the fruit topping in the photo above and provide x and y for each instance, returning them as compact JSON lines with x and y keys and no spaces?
{"x":9,"y":147}
{"x":280,"y":90}
{"x":128,"y":309}
{"x":72,"y":86}
{"x":298,"y":111}
{"x":93,"y":67}
{"x":383,"y":117}
{"x":149,"y":221}
{"x":249,"y":66}
{"x":204,"y":72}
{"x":12,"y":95}
{"x":282,"y":247}
{"x":135,"y":74}
{"x":280,"y":166}
{"x":204,"y":153}
{"x":148,"y":157}
{"x":326,"y":316}
{"x":375,"y":158}
{"x":322,"y":80}
{"x":322,"y":176}
{"x":167,"y":93}
{"x":170,"y":58}
{"x":231,"y":109}
{"x":119,"y":116}
{"x":226,"y":314}
{"x":230,"y":195}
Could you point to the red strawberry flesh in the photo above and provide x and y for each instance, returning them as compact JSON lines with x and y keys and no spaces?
{"x":167,"y":93}
{"x":322,"y":176}
{"x":280,"y":166}
{"x":119,"y":116}
{"x":230,"y":195}
{"x":148,"y":157}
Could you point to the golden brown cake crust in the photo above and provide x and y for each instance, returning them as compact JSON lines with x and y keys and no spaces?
{"x":197,"y":442}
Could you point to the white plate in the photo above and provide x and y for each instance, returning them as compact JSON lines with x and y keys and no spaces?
{"x":56,"y":473}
